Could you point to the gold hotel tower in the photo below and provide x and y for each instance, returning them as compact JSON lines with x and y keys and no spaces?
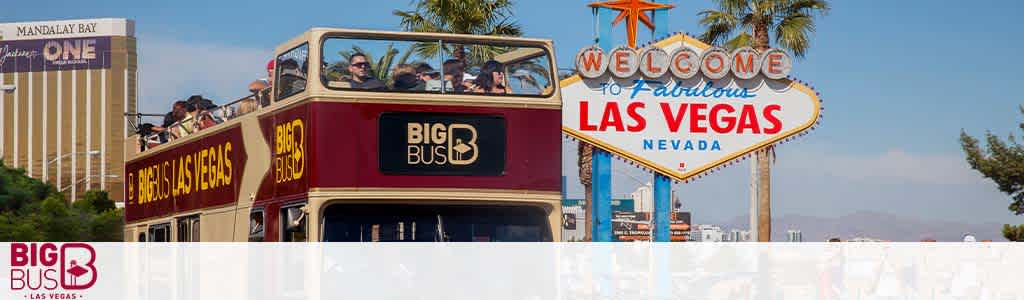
{"x":66,"y":86}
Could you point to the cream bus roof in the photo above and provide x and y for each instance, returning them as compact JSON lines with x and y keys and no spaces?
{"x":317,"y":32}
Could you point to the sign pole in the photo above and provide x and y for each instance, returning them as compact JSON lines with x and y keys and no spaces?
{"x":602,"y":197}
{"x":662,"y":184}
{"x":602,"y":160}
{"x":662,"y":208}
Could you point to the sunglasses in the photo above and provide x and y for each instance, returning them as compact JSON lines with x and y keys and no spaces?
{"x":361,"y":65}
{"x":254,"y":91}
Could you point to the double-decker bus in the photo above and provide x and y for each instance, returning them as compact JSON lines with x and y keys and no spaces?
{"x":367,"y":136}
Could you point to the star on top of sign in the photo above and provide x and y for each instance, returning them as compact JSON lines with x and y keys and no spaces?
{"x":632,"y":11}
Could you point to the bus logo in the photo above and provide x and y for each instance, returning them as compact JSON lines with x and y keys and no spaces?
{"x":52,"y":267}
{"x":441,"y":144}
{"x":289,"y":146}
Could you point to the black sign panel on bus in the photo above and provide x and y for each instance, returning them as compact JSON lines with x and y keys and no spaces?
{"x":441,"y":144}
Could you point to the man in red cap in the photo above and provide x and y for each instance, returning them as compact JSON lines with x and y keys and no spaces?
{"x":270,"y":72}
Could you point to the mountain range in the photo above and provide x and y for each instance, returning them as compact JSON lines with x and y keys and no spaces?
{"x":875,"y":225}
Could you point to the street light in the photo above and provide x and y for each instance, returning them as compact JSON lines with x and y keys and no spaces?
{"x":46,"y":175}
{"x":59,"y":181}
{"x":80,"y":181}
{"x":90,"y":153}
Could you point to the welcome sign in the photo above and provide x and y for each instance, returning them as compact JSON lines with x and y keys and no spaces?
{"x":681,"y":107}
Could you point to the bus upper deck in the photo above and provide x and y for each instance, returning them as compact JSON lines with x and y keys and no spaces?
{"x":389,"y":137}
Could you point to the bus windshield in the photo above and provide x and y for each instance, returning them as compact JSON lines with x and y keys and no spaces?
{"x":438,"y":66}
{"x":434,"y":223}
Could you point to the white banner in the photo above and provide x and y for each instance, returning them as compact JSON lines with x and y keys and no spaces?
{"x":513,"y":271}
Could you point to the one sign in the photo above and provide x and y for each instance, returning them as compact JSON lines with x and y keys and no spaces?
{"x":634,"y":226}
{"x":54,"y":54}
{"x":66,"y":29}
{"x":441,"y":144}
{"x":697,"y":114}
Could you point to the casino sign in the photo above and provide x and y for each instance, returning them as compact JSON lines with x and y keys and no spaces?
{"x":681,"y":107}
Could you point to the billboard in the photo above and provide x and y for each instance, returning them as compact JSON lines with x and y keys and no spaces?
{"x":54,"y":54}
{"x":635,"y":226}
{"x":681,"y":107}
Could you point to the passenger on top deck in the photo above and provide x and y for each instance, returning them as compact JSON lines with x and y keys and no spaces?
{"x":361,"y":76}
{"x":453,"y":75}
{"x":246,"y":106}
{"x":292,"y":78}
{"x":261,"y":90}
{"x":270,"y":73}
{"x":203,"y":114}
{"x":427,"y":74}
{"x":149,"y":136}
{"x":404,"y":79}
{"x":491,"y":79}
{"x":181,"y":126}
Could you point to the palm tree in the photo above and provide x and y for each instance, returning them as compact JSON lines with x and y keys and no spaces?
{"x":585,"y":155}
{"x":481,"y":17}
{"x":752,"y":23}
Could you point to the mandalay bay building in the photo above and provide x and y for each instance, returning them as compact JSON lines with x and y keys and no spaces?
{"x":66,"y":87}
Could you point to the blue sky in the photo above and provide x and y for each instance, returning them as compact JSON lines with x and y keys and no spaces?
{"x":899,"y":80}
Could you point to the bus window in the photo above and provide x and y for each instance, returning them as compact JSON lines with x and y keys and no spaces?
{"x":160,"y":233}
{"x":379,"y":65}
{"x":433,"y":66}
{"x":188,"y":229}
{"x":256,"y":226}
{"x":293,"y":224}
{"x":142,"y":237}
{"x":498,"y":70}
{"x":291,"y":70}
{"x":434,"y":223}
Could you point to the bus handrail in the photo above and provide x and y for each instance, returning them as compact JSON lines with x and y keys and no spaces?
{"x":219,"y":114}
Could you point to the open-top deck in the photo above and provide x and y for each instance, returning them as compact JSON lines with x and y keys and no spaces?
{"x":331,"y":135}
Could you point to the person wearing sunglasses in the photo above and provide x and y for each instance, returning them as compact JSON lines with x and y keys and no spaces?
{"x":361,"y":75}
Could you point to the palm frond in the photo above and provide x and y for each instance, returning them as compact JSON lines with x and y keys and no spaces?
{"x":792,"y":33}
{"x":739,"y":41}
{"x":736,"y":23}
{"x":719,"y":26}
{"x":461,"y":16}
{"x":809,"y":7}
